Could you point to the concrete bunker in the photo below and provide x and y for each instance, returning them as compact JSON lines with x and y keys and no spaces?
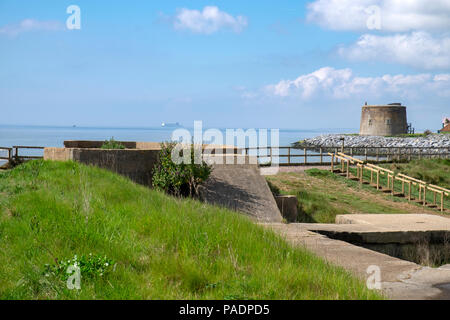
{"x":235,"y":184}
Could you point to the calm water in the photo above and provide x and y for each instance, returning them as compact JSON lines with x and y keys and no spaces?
{"x":55,"y":136}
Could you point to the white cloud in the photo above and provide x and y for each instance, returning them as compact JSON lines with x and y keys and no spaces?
{"x":418,"y":50}
{"x":343,"y":84}
{"x":396,"y":15}
{"x":208,"y":21}
{"x":28,"y":25}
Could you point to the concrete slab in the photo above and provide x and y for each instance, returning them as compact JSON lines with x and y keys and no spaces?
{"x":400,"y":279}
{"x":397,"y":222}
{"x":241,"y":187}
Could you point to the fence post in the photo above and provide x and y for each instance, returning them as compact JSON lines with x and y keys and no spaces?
{"x":289,"y":155}
{"x":306,"y":156}
{"x":348,"y":170}
{"x":365,"y":153}
{"x":361,"y":172}
{"x":332,"y":163}
{"x":321,"y":156}
{"x":378,"y":154}
{"x":378,"y":179}
{"x":393,"y":181}
{"x":425,"y":195}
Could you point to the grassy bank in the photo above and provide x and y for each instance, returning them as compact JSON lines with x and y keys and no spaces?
{"x":322,"y":196}
{"x":161,"y":247}
{"x":434,"y":171}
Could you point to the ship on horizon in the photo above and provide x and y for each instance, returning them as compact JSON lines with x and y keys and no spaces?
{"x":170,"y":125}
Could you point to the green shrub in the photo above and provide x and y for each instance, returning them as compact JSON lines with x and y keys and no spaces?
{"x":112,"y":144}
{"x":179,"y":179}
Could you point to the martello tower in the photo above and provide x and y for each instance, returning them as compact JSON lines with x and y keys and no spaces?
{"x":383,"y":120}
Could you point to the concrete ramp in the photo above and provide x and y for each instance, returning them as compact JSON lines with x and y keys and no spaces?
{"x":240,"y":187}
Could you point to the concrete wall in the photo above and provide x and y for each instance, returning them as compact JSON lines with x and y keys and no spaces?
{"x":383,"y":120}
{"x":58,"y":154}
{"x":132,"y":163}
{"x":136,"y":163}
{"x":98,"y":144}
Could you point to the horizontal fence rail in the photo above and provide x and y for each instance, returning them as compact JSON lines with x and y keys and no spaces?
{"x":26,"y":157}
{"x":7,"y":151}
{"x":12,"y":154}
{"x":292,"y":156}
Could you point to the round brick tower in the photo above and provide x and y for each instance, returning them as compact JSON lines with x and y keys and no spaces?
{"x":384,"y":120}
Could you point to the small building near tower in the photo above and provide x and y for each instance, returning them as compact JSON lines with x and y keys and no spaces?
{"x":383,"y":120}
{"x":445,"y":125}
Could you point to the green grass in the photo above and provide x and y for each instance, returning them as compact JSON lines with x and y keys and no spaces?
{"x":164,"y":248}
{"x":434,"y":171}
{"x":321,"y":203}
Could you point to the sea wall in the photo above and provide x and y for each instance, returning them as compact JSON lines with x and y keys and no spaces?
{"x":440,"y":142}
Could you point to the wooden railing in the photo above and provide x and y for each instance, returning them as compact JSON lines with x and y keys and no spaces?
{"x":9,"y":151}
{"x":392,"y":177}
{"x":13,"y":153}
{"x":292,"y":156}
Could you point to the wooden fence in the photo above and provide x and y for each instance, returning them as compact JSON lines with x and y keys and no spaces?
{"x":422,"y":187}
{"x":292,"y":156}
{"x":13,"y":153}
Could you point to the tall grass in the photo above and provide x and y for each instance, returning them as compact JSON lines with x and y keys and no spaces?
{"x":435,"y":171}
{"x":321,"y":202}
{"x":165,"y":248}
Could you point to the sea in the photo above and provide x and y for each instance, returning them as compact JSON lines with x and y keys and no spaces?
{"x":54,"y":136}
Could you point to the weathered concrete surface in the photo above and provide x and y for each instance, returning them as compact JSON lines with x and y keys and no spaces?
{"x":400,"y":279}
{"x":90,"y":144}
{"x":135,"y":164}
{"x":241,"y":187}
{"x":58,"y":154}
{"x":397,"y":222}
{"x":383,"y":120}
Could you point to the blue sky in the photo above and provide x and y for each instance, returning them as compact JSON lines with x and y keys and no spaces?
{"x":276,"y":64}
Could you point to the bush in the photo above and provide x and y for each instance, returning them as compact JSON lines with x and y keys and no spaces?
{"x":427,"y":132}
{"x":112,"y":144}
{"x":178,"y":179}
